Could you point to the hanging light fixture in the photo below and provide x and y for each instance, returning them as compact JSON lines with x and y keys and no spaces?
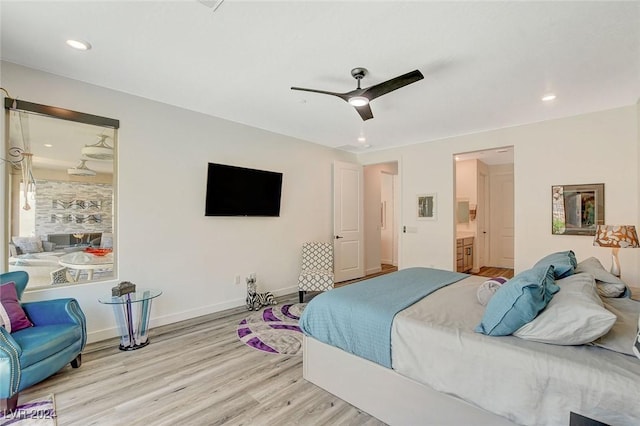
{"x":100,"y":150}
{"x":81,"y":170}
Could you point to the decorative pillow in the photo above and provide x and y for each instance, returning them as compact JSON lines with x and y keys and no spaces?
{"x":608,"y":285}
{"x":12,"y":316}
{"x":563,"y":262}
{"x":518,"y":301}
{"x":488,"y":288}
{"x":574,"y":316}
{"x":622,"y":335}
{"x":48,"y":246}
{"x":28,"y":244}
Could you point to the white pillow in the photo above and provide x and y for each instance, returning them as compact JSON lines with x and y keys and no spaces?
{"x":28,"y":244}
{"x":574,"y":316}
{"x":607,"y":284}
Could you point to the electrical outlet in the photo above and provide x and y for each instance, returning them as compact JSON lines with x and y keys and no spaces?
{"x":237,"y":279}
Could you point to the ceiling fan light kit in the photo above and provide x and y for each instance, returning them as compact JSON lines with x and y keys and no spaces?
{"x":99,"y":151}
{"x":81,"y":170}
{"x":360,"y":98}
{"x":357,"y":101}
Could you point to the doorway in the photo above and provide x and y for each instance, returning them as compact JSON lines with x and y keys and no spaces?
{"x":484,"y":211}
{"x":381,"y":185}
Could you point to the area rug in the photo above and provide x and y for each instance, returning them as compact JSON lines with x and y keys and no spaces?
{"x":274,"y":330}
{"x":38,"y":412}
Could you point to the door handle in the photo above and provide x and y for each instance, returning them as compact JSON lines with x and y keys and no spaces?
{"x":338,"y":237}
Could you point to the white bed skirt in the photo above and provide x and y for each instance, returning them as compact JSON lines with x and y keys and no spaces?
{"x":385,"y":394}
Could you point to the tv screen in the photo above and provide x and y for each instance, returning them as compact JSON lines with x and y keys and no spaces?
{"x":238,"y":191}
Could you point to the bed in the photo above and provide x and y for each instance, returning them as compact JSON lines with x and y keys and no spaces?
{"x":443,"y":372}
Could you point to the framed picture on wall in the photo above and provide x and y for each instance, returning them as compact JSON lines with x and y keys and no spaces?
{"x":577,"y":209}
{"x":426,"y":205}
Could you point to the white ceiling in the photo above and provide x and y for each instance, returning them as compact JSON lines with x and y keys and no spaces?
{"x":486,"y":64}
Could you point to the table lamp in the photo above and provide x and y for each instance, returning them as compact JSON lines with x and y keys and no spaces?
{"x":616,"y":237}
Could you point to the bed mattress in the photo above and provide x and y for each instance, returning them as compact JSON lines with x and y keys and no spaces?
{"x":530,"y":383}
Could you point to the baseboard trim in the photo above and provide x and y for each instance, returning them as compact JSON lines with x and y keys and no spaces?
{"x":111,"y":332}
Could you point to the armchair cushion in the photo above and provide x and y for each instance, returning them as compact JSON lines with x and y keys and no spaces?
{"x":12,"y":316}
{"x":44,"y":341}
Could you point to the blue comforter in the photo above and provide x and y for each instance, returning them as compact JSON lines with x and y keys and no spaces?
{"x":357,"y":318}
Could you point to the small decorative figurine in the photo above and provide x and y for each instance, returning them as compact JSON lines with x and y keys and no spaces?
{"x":257,"y":300}
{"x":123,"y":288}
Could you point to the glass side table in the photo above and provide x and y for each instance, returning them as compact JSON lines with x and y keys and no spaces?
{"x":132,"y":312}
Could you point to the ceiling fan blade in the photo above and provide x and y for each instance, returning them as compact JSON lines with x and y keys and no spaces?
{"x":365,"y":112}
{"x":390,"y":85}
{"x":344,"y":96}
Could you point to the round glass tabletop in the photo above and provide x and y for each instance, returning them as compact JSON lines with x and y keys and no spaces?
{"x":139,"y":295}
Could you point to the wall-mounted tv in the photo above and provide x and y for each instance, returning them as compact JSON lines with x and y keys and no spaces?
{"x":238,"y":191}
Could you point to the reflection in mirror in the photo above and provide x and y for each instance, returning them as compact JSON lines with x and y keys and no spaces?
{"x":463,"y":211}
{"x":577,"y":209}
{"x":61,"y":200}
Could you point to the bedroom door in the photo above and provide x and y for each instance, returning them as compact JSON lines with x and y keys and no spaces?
{"x":502,"y":218}
{"x":348,"y":220}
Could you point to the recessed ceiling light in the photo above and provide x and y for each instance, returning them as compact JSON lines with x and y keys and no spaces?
{"x":548,"y":97}
{"x":362,"y":139}
{"x":47,"y":145}
{"x":79,"y":44}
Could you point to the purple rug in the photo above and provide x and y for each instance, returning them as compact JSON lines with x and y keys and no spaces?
{"x":41,"y":411}
{"x":274,"y":330}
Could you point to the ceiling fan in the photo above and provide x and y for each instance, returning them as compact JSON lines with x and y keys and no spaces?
{"x":360,"y":98}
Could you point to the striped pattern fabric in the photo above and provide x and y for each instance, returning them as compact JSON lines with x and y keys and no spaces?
{"x":317,"y":267}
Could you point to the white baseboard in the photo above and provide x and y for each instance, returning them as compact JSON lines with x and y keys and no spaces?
{"x":111,"y":332}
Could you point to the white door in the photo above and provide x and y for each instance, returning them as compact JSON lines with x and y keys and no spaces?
{"x":501,"y":225}
{"x":386,"y":219}
{"x":348,"y":220}
{"x":482,"y":215}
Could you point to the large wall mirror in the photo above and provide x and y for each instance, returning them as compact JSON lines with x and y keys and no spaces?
{"x":61,"y":194}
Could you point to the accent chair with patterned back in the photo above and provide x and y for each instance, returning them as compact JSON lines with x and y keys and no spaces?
{"x":317,"y":268}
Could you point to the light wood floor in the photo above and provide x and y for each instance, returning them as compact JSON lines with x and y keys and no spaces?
{"x":487,"y":271}
{"x":196,"y":372}
{"x":192,"y":373}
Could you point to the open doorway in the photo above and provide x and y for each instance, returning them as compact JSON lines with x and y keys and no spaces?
{"x":380,"y":217}
{"x":484,"y":212}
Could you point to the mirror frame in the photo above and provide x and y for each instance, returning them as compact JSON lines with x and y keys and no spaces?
{"x":11,"y":104}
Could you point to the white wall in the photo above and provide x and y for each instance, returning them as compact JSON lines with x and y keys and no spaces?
{"x":590,"y":148}
{"x":163,"y":238}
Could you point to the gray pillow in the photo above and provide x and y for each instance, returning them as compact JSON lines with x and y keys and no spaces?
{"x":622,"y":335}
{"x":608,"y":285}
{"x":28,"y":244}
{"x":574,"y":316}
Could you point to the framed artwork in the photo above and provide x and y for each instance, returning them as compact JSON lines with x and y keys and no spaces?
{"x":426,"y":205}
{"x":577,"y":209}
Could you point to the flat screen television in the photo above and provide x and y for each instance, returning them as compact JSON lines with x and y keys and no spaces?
{"x":238,"y":191}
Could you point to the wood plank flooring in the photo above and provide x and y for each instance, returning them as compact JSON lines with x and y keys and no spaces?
{"x":195,"y":372}
{"x":487,"y":271}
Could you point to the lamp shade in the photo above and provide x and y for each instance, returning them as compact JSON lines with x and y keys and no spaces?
{"x":616,"y":236}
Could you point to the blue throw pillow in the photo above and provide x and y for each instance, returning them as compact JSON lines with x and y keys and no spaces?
{"x":564,"y":263}
{"x":518,"y":301}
